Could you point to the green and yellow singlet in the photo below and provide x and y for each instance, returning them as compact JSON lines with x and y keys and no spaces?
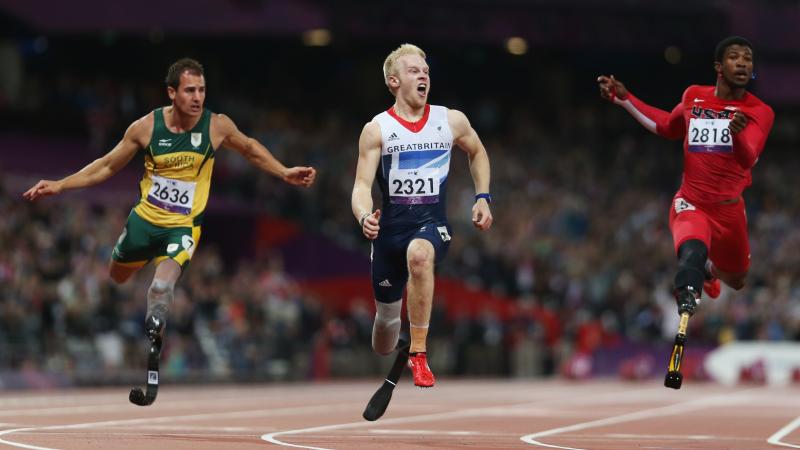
{"x":177,"y":174}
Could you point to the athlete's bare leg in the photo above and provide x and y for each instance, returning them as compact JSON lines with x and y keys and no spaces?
{"x":420,"y":256}
{"x":121,"y":273}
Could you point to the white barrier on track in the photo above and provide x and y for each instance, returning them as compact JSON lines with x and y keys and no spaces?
{"x":779,"y":360}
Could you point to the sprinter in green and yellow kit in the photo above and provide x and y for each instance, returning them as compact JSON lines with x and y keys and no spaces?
{"x":179,"y":142}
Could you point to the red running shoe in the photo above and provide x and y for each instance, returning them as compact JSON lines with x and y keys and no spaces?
{"x":712,"y":287}
{"x":423,"y":377}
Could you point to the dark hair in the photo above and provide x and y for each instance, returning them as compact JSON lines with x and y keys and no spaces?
{"x":182,"y":65}
{"x":723,"y":45}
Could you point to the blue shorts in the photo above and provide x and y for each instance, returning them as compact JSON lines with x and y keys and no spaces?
{"x":389,"y":266}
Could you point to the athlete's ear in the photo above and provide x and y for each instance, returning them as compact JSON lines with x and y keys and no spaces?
{"x":394,"y":81}
{"x":171,"y":92}
{"x":718,"y":67}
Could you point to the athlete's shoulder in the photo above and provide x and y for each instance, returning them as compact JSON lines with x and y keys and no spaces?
{"x":219,"y":122}
{"x":141,"y":129}
{"x":371,"y":133}
{"x":385,"y":114}
{"x":754,"y":102}
{"x":456,"y":117}
{"x":759,"y":111}
{"x":697,"y":92}
{"x":218,"y":117}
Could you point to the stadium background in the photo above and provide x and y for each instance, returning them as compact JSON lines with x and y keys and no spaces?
{"x":577,"y":267}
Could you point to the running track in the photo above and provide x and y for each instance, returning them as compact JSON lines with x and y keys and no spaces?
{"x":478,"y":414}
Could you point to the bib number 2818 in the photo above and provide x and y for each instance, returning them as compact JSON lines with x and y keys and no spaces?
{"x":710,"y":136}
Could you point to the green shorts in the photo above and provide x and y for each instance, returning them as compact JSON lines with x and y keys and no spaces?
{"x":142,"y":242}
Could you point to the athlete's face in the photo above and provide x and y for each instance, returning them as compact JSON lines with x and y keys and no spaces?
{"x":190,"y":95}
{"x":736,"y":66}
{"x":413,"y":80}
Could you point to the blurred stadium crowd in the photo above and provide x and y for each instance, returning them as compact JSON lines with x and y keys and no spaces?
{"x":580,"y":242}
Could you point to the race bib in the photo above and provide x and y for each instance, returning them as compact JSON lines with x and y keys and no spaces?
{"x":710,"y":136}
{"x":172,"y":195}
{"x":414,"y":186}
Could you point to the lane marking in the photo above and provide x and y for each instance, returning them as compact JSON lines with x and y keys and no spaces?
{"x":676,"y":408}
{"x":179,"y":404}
{"x":170,"y":419}
{"x":430,"y":432}
{"x":694,"y":437}
{"x":471,"y":412}
{"x":775,"y":439}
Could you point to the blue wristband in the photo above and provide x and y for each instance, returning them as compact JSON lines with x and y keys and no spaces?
{"x":485,"y":195}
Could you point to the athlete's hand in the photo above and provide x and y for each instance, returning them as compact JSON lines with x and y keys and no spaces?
{"x":371,"y":225}
{"x":481,"y":215}
{"x":43,"y":188}
{"x":738,"y":122}
{"x":300,"y":176}
{"x":610,"y":88}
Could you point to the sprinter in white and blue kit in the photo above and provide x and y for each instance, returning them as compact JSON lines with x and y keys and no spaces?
{"x":408,"y":149}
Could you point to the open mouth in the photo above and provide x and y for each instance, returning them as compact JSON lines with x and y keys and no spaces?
{"x":422,"y":88}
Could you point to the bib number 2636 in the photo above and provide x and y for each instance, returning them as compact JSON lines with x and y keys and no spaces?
{"x":172,"y":195}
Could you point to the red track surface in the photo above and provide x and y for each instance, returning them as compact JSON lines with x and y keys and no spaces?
{"x":496,"y":414}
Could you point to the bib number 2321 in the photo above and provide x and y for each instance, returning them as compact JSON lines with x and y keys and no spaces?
{"x":172,"y":195}
{"x":414,"y":186}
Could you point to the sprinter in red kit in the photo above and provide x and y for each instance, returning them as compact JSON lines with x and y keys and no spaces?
{"x":724,"y":128}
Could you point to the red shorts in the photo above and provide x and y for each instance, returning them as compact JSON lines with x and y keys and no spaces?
{"x":722,"y":227}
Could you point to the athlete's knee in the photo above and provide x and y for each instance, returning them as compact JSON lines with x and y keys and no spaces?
{"x":160,"y":288}
{"x":736,"y":280}
{"x":737,"y":284}
{"x":420,"y":258}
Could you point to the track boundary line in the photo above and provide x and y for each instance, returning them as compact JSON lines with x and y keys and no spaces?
{"x":776,"y":439}
{"x":188,"y":417}
{"x":271,"y":437}
{"x":633,"y":416}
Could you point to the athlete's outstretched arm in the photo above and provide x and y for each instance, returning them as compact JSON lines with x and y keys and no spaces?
{"x":258,"y":155}
{"x":101,"y":169}
{"x":749,"y":138}
{"x":467,"y":139}
{"x":369,"y":156}
{"x":665,"y":124}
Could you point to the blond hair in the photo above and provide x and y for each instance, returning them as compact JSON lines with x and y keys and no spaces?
{"x":389,"y":65}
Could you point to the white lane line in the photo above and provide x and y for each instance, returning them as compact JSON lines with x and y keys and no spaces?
{"x":118,"y":405}
{"x":19,"y":445}
{"x":429,"y":432}
{"x":170,"y":419}
{"x":472,"y":412}
{"x":775,"y":439}
{"x":701,"y":403}
{"x":661,"y":437}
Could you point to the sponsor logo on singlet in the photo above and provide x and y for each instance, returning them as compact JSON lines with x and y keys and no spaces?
{"x":705,"y":113}
{"x":182,"y":161}
{"x":418,"y":146}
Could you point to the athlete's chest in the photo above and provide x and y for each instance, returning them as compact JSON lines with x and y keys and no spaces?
{"x":434,"y":136}
{"x":170,"y":152}
{"x":699,"y":109}
{"x":707,"y":125}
